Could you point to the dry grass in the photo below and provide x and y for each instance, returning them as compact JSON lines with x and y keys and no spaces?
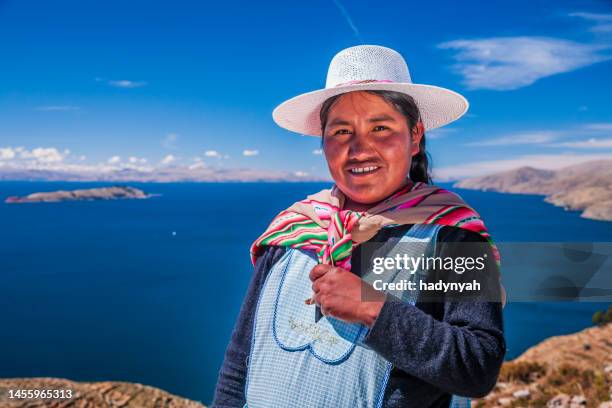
{"x":522,"y":371}
{"x":572,"y":365}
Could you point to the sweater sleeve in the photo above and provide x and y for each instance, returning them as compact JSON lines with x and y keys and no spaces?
{"x":229,"y":391}
{"x":461,"y":352}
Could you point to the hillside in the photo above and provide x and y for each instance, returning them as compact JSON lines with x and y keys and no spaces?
{"x":585,"y":187}
{"x":563,"y":371}
{"x":106,"y":394}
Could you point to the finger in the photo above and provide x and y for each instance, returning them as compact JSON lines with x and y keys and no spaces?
{"x":318,"y":271}
{"x":325,"y":311}
{"x":317,"y":285}
{"x":318,"y":299}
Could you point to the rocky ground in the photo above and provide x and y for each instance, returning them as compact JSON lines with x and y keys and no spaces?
{"x":107,"y":394}
{"x":563,"y":372}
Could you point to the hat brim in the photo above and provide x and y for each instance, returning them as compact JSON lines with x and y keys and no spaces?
{"x":438,"y":106}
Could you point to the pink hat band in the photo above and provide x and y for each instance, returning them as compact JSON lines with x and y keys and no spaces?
{"x":364,"y":81}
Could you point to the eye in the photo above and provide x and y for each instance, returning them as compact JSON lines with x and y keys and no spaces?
{"x":380,"y":128}
{"x":342,"y":132}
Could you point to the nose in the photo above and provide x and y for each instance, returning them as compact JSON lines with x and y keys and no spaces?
{"x":360,"y":146}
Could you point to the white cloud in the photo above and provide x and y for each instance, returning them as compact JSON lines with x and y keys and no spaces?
{"x":58,"y":108}
{"x":439,"y":133}
{"x":168,"y":159}
{"x":169,"y":142}
{"x":44,"y":163}
{"x":598,"y":127}
{"x":542,"y":161}
{"x":248,"y":153}
{"x":505,"y":63}
{"x":197,"y":165}
{"x":547,"y":137}
{"x":535,"y":137}
{"x":137,"y":160}
{"x":44,"y":154}
{"x":317,"y":151}
{"x":591,"y":143}
{"x":212,"y":153}
{"x":82,"y":157}
{"x":348,"y":19}
{"x":37,"y":155}
{"x":7,"y":153}
{"x":603,"y":22}
{"x":124,"y":83}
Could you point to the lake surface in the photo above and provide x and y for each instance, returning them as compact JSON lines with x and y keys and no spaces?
{"x":148,"y":290}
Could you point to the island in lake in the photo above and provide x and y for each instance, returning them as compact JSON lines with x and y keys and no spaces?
{"x":586,"y":187}
{"x":100,"y":193}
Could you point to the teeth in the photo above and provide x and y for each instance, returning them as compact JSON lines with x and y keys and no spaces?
{"x":364,"y":169}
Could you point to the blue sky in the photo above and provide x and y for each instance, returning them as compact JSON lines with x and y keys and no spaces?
{"x":142,"y":84}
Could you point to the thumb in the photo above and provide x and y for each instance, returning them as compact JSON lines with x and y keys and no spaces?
{"x":318,"y":271}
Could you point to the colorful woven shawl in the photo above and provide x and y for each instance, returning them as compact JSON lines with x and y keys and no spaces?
{"x":319,"y":223}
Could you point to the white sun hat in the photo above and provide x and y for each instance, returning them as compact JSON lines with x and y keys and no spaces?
{"x":369,"y":67}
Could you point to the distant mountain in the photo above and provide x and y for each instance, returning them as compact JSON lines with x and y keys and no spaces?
{"x":163,"y":174}
{"x":586,"y":186}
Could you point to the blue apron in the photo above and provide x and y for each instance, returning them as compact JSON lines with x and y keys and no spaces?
{"x":297,"y":362}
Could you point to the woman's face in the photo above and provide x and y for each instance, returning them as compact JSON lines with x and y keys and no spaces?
{"x":368,"y":148}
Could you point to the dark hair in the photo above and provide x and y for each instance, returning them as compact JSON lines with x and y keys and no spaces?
{"x":404,"y":104}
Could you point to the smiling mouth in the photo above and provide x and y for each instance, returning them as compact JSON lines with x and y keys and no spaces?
{"x":363,"y":170}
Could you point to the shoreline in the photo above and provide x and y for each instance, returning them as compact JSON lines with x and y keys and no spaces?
{"x":574,"y":367}
{"x":581,"y":187}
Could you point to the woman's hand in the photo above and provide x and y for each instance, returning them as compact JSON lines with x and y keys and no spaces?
{"x":340,"y":294}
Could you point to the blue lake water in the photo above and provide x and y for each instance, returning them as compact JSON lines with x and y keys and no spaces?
{"x":148,"y":290}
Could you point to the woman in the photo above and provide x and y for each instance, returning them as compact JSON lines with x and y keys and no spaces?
{"x":313,"y":330}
